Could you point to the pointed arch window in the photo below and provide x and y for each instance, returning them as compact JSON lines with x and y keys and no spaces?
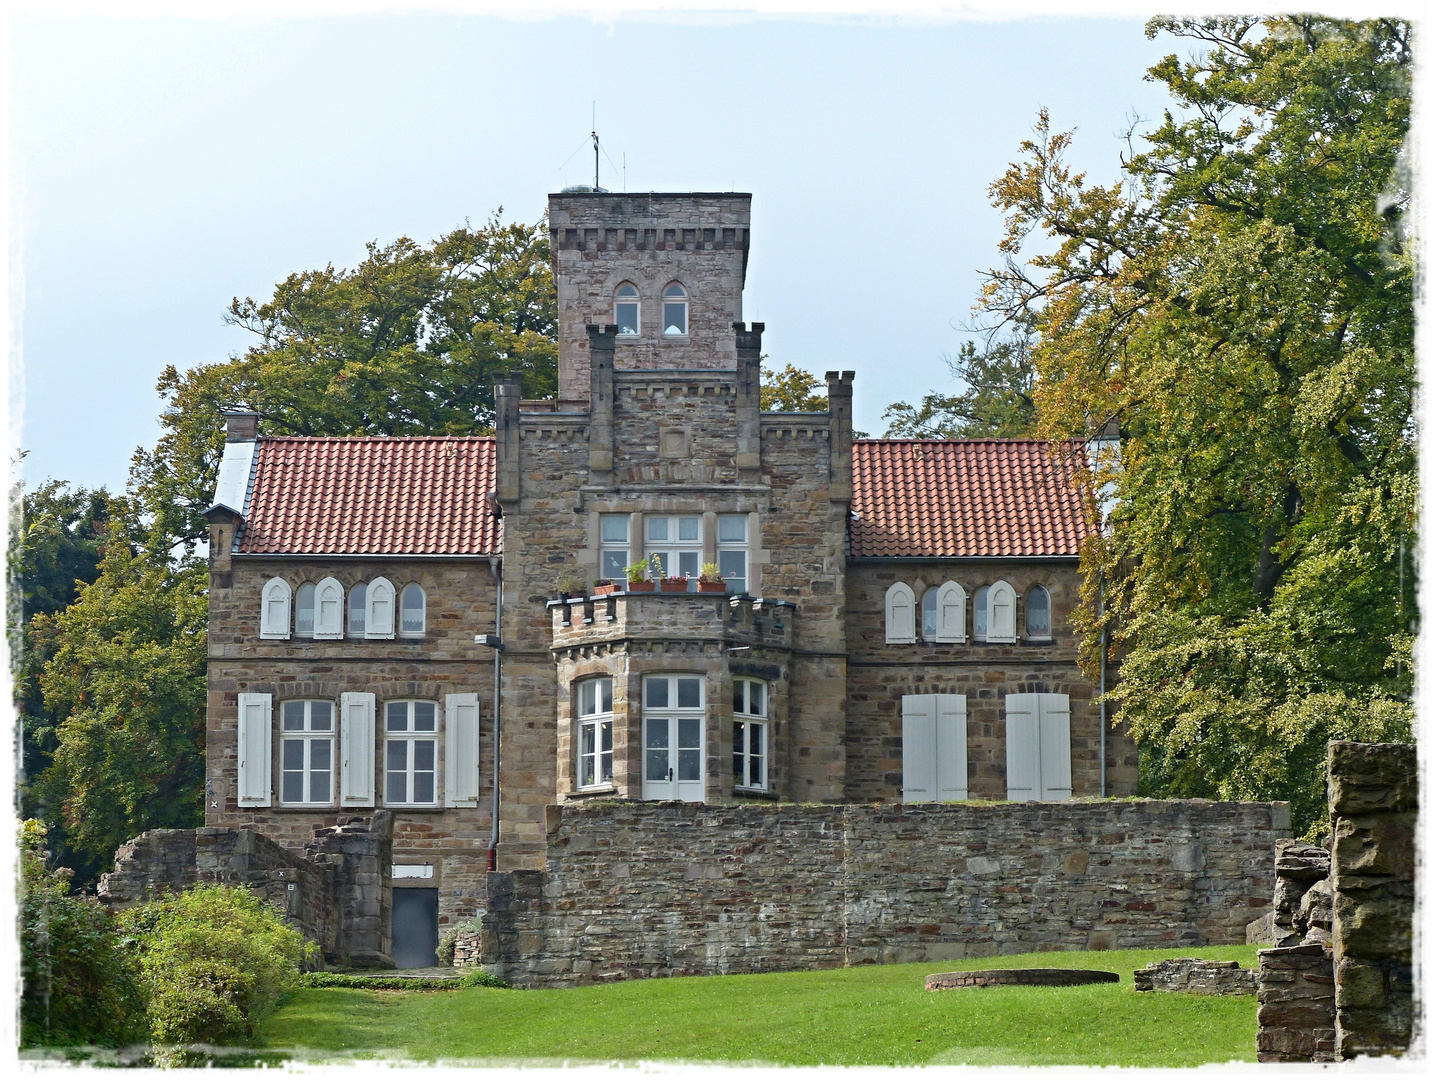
{"x":1037,"y":622}
{"x":899,"y":614}
{"x":303,"y":610}
{"x":328,"y":610}
{"x":628,"y":310}
{"x":380,"y":609}
{"x":414,"y":611}
{"x":950,"y":612}
{"x":357,"y":610}
{"x":1001,"y":613}
{"x":674,"y":311}
{"x":274,"y":609}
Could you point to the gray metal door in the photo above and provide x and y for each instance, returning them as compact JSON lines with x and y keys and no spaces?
{"x":415,"y":928}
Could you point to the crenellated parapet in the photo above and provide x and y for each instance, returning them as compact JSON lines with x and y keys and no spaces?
{"x":699,"y":619}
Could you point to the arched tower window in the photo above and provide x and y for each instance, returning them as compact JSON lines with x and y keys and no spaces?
{"x":930,"y":615}
{"x":673,"y":311}
{"x":358,"y":610}
{"x":414,"y":610}
{"x":1036,"y":613}
{"x":1001,"y":613}
{"x":274,"y":605}
{"x":950,"y":617}
{"x":303,"y":610}
{"x":900,"y":614}
{"x":628,"y":309}
{"x":328,"y":610}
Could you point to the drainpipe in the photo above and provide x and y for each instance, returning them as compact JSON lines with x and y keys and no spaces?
{"x":1103,"y":663}
{"x":495,"y":641}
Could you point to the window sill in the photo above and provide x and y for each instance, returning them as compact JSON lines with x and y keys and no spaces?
{"x":755,"y":793}
{"x":593,"y":792}
{"x":425,"y":807}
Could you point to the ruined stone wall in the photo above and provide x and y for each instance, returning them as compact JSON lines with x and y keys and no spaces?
{"x":881,"y":674}
{"x":461,"y":598}
{"x":635,"y":890}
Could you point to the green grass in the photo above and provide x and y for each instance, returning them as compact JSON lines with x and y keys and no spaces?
{"x":847,"y":1016}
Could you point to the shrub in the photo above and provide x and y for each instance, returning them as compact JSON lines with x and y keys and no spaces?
{"x":78,"y":985}
{"x":214,"y":962}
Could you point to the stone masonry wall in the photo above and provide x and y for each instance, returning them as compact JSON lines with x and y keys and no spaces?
{"x":635,"y":890}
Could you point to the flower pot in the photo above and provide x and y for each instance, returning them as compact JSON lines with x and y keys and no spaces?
{"x":710,"y":586}
{"x":605,"y":590}
{"x":641,"y":586}
{"x":673,"y":584}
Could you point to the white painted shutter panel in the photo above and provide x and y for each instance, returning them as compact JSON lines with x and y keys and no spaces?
{"x":950,"y":613}
{"x":359,"y":735}
{"x":274,"y":609}
{"x":1021,"y":746}
{"x":899,"y":614}
{"x":1054,"y":765}
{"x":917,"y":734}
{"x":951,"y":766}
{"x":1001,"y":612}
{"x":328,"y":610}
{"x":380,"y":609}
{"x":255,"y":749}
{"x":462,"y":762}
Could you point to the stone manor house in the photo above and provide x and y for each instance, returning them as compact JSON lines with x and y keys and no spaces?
{"x":893,"y":625}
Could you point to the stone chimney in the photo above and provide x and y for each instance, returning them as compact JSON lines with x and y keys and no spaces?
{"x":240,"y":425}
{"x":602,"y":403}
{"x":839,"y":387}
{"x":748,"y":401}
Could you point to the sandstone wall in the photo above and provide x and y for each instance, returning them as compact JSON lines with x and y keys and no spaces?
{"x":635,"y":890}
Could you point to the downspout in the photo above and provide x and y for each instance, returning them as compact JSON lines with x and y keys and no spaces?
{"x":495,"y":565}
{"x":1103,"y":664}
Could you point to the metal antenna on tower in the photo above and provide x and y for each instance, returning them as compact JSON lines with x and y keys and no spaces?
{"x":596,"y":152}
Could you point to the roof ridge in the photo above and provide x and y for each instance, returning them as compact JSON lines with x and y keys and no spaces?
{"x":375,"y":438}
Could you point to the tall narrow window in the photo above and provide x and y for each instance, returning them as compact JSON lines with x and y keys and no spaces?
{"x":379,"y":620}
{"x":594,"y":732}
{"x":951,"y":601}
{"x":411,"y":760}
{"x":628,"y":310}
{"x":731,"y":551}
{"x":1001,"y":613}
{"x":673,"y":311}
{"x":673,"y":545}
{"x":673,"y":732}
{"x":1036,"y":613}
{"x":274,"y":604}
{"x":899,"y":614}
{"x":328,"y":609}
{"x":306,"y":753}
{"x":616,"y":545}
{"x":749,"y":742}
{"x":982,"y":613}
{"x":357,"y":610}
{"x":303,"y":610}
{"x":930,"y":615}
{"x":415,"y":611}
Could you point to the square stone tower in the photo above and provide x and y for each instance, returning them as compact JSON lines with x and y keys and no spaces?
{"x":668,"y":269}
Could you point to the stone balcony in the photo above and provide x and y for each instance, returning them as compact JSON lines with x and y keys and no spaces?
{"x":727,"y":619}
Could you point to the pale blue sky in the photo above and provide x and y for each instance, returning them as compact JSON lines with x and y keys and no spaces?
{"x":161,"y":167}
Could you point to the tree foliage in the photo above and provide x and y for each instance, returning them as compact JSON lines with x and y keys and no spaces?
{"x":792,"y":389}
{"x":1242,"y":304}
{"x":125,"y":678}
{"x":407,"y":343}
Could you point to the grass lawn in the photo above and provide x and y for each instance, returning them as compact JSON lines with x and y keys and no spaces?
{"x":846,"y":1016}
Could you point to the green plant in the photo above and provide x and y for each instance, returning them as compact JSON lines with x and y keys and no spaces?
{"x":214,"y":962}
{"x":637,"y":571}
{"x":570,"y":584}
{"x":448,"y":942}
{"x":710,"y":573}
{"x":78,"y":984}
{"x":482,"y":978}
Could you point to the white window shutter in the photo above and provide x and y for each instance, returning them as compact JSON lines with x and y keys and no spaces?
{"x":328,"y":609}
{"x":1001,"y":612}
{"x":275,"y":602}
{"x":950,"y":613}
{"x":1055,"y":779}
{"x":1021,"y":746}
{"x":255,"y":749}
{"x":917,"y":735}
{"x":462,"y":758}
{"x":359,"y":733}
{"x":899,"y":614}
{"x":952,"y":775}
{"x":380,"y":609}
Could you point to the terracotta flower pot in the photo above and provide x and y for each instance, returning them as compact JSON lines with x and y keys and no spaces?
{"x":605,"y":590}
{"x":673,"y":584}
{"x":710,"y":586}
{"x":641,"y":586}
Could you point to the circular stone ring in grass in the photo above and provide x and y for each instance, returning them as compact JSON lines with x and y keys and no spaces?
{"x":951,"y":980}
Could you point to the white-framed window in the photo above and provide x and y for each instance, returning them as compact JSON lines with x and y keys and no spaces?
{"x":933,"y":738}
{"x":673,"y":546}
{"x":1037,"y":622}
{"x":306,"y":753}
{"x":731,"y":550}
{"x":616,"y":546}
{"x":750,"y":745}
{"x":950,"y":612}
{"x":1038,"y":762}
{"x":594,"y":732}
{"x":414,"y":611}
{"x":627,"y":315}
{"x":673,"y":311}
{"x":899,"y":614}
{"x":1001,"y":613}
{"x":328,"y":610}
{"x":303,"y":610}
{"x":380,"y":614}
{"x":673,"y":720}
{"x":358,"y":610}
{"x":274,"y":603}
{"x":410,"y":753}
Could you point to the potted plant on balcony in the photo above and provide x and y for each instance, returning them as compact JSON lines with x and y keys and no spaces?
{"x":569,"y":585}
{"x":674,"y":584}
{"x":604,"y":587}
{"x":710,"y":579}
{"x":636,"y":578}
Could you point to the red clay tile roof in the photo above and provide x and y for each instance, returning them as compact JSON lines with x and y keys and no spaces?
{"x":372,"y":496}
{"x":931,"y":498}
